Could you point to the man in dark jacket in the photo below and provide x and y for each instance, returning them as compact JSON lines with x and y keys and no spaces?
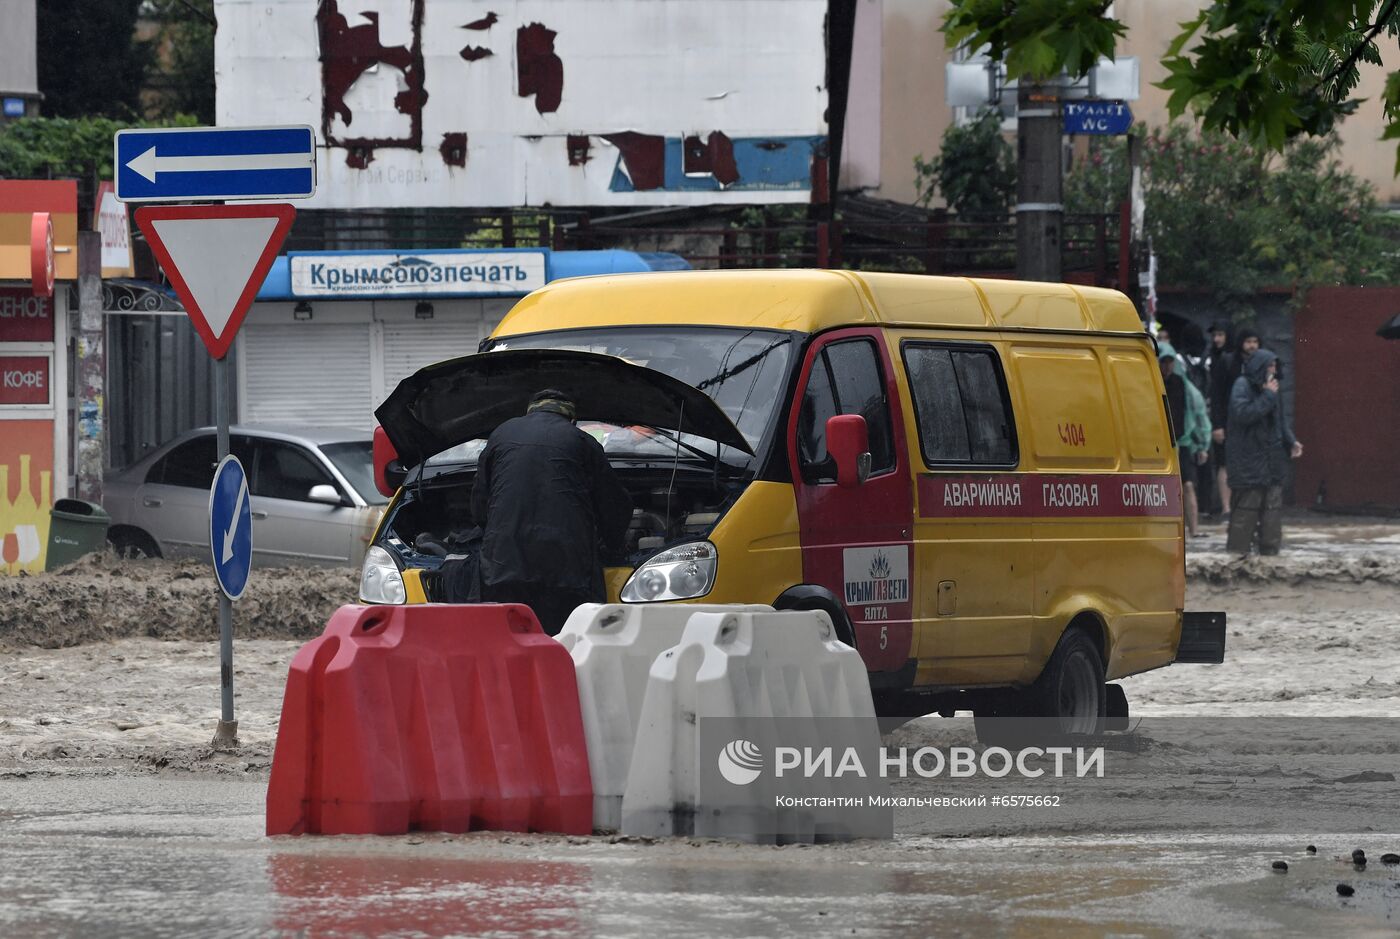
{"x":546,"y":498}
{"x":1260,"y":444}
{"x":1219,"y":362}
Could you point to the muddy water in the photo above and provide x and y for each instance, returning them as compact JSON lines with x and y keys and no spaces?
{"x":156,"y":857}
{"x":116,"y":819}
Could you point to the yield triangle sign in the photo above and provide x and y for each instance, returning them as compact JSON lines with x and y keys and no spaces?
{"x":216,"y":257}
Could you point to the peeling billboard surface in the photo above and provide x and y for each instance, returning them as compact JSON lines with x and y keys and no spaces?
{"x":535,"y":102}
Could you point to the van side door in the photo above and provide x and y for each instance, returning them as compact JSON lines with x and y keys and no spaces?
{"x":856,"y":541}
{"x":973,"y":547}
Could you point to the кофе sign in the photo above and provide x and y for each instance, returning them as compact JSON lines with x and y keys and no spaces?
{"x":25,"y":317}
{"x":24,"y":379}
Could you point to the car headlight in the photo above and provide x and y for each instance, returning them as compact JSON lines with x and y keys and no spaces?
{"x":380,"y":580}
{"x":680,"y":573}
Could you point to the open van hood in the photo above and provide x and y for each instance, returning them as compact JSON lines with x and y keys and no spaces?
{"x":465,"y":399}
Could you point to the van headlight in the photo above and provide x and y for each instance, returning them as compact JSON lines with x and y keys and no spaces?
{"x":380,"y":580}
{"x":680,"y":573}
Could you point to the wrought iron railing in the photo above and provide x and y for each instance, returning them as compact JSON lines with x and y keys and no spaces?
{"x":911,"y":240}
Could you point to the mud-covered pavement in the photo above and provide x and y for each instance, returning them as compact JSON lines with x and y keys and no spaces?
{"x":180,"y":857}
{"x":115,"y":818}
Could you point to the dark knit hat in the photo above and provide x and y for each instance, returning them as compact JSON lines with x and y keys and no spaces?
{"x":554,"y":401}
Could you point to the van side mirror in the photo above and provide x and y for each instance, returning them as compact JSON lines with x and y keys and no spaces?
{"x":389,"y":473}
{"x":848,"y":443}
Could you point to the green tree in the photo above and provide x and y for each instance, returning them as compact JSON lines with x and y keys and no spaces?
{"x":1261,"y":70}
{"x":1232,"y":217}
{"x":37,"y":147}
{"x":975,"y":169}
{"x":90,"y":62}
{"x":183,"y":72}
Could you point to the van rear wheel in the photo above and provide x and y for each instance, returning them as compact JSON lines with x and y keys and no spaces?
{"x":1071,"y":689}
{"x":1067,"y":700}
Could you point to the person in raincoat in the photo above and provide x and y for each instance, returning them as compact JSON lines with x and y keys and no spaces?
{"x":548,"y":503}
{"x":1191,"y":422}
{"x":1260,"y":445}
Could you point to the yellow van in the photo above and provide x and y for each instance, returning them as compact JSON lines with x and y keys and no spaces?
{"x":975,"y":479}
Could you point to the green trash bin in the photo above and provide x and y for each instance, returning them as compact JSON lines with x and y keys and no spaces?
{"x":75,"y":528}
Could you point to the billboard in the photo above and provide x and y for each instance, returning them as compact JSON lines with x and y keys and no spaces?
{"x":537,"y":102}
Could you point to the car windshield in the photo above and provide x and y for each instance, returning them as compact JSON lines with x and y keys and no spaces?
{"x":742,"y":370}
{"x":355,"y":460}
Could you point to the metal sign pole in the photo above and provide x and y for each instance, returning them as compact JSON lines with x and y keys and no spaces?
{"x":226,"y":735}
{"x":184,"y":164}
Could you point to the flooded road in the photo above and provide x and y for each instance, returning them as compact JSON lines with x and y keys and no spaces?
{"x":116,"y":819}
{"x":161,"y":857}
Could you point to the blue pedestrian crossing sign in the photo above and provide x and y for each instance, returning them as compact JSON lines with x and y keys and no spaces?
{"x":231,"y":527}
{"x":187,"y":164}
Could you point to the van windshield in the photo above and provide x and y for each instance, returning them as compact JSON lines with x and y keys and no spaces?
{"x":742,"y":370}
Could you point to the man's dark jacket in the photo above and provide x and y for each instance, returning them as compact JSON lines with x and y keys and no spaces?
{"x":1260,"y":438}
{"x":1220,"y":368}
{"x":545,"y":497}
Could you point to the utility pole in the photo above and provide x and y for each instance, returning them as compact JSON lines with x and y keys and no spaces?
{"x":1039,"y":182}
{"x":92,"y":370}
{"x":1140,"y":250}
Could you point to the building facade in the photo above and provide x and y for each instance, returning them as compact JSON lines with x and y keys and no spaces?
{"x":36,"y":425}
{"x":362,"y":321}
{"x":905,"y":108}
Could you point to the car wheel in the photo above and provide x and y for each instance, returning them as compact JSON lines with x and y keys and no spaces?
{"x":1069,"y":699}
{"x":132,"y":543}
{"x":840,"y":622}
{"x":1071,"y":689}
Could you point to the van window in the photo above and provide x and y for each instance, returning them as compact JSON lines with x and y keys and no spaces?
{"x":743,"y":370}
{"x":960,"y":405}
{"x":845,"y":379}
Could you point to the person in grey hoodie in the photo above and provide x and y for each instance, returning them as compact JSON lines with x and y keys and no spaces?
{"x":1261,"y":443}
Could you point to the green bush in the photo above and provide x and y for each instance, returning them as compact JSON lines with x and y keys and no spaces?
{"x":37,"y":147}
{"x":975,"y":169}
{"x":1231,"y":218}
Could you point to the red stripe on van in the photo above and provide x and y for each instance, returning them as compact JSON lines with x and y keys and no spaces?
{"x":1049,"y":495}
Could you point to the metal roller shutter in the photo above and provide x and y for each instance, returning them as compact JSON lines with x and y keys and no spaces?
{"x":410,"y":346}
{"x":312,"y":374}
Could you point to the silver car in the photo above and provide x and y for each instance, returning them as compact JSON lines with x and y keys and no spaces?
{"x":312,"y":490}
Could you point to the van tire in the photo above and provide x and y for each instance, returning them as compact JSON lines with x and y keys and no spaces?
{"x":1069,"y":699}
{"x":1071,"y":688}
{"x":806,"y":598}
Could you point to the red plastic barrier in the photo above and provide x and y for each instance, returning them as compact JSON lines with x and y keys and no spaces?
{"x":430,"y":717}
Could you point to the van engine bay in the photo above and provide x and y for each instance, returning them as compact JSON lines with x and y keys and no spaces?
{"x":433,"y":519}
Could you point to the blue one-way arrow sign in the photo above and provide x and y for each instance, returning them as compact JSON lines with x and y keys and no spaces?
{"x":183,"y":164}
{"x":230,"y":527}
{"x":1097,"y":117}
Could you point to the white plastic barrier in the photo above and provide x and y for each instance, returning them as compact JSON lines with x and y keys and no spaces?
{"x":747,"y":668}
{"x":614,"y":646}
